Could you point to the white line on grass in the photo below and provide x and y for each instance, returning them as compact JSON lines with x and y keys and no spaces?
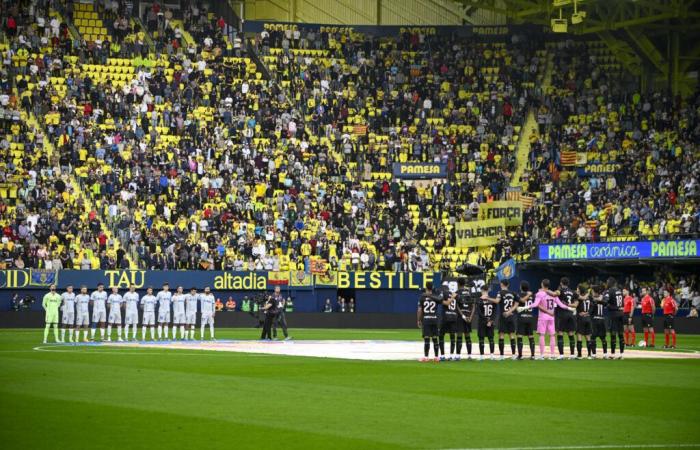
{"x":115,"y":351}
{"x":586,"y":447}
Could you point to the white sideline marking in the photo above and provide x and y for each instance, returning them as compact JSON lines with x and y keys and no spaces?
{"x":584,"y":447}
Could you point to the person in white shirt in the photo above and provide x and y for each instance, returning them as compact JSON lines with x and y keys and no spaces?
{"x":68,"y":310}
{"x":148,"y":305}
{"x":164,"y":298}
{"x":99,"y":311}
{"x":179,"y":313}
{"x":208,"y":312}
{"x":131,"y":299}
{"x":116,"y":302}
{"x":191,"y":311}
{"x":82,"y":301}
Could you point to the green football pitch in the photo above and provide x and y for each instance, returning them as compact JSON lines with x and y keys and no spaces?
{"x":98,"y":397}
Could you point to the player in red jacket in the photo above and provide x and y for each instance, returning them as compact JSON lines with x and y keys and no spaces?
{"x":670,"y":308}
{"x":628,"y":311}
{"x":648,"y":308}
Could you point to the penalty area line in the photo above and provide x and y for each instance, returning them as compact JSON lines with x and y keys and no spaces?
{"x":585,"y":447}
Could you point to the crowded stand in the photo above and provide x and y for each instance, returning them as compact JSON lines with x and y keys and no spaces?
{"x":162,"y":143}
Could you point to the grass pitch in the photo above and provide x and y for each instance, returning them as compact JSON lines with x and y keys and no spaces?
{"x":97,"y":397}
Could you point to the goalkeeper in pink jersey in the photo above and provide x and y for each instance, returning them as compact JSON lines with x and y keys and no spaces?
{"x":546,"y":302}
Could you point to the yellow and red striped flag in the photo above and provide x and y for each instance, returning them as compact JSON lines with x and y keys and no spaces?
{"x":568,"y":158}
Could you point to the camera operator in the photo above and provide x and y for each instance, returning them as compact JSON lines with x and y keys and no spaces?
{"x":270,"y":310}
{"x":281,"y":319}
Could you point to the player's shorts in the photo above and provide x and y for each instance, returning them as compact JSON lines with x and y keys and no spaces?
{"x":208,"y":318}
{"x":668,"y":322}
{"x":131,"y":318}
{"x":83,"y":319}
{"x":448,"y":327}
{"x":99,"y":315}
{"x":567,"y":323}
{"x":179,"y":318}
{"x":506,"y":324}
{"x":163,"y":316}
{"x":68,"y":318}
{"x":115,"y":316}
{"x":545,"y":326}
{"x":430,"y":327}
{"x":51,"y":317}
{"x":526,"y":326}
{"x":483,"y":330}
{"x":464,"y":326}
{"x":149,"y":318}
{"x":191,"y":318}
{"x":617,"y":323}
{"x":584,"y":326}
{"x":599,"y":328}
{"x":628,"y":318}
{"x":647,"y":320}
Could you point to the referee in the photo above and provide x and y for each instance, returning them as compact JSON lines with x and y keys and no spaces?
{"x":270,"y":311}
{"x":281,"y":319}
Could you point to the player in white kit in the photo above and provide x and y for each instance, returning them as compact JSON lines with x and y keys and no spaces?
{"x":68,"y":310}
{"x":179,"y":313}
{"x":131,"y":299}
{"x":191,"y":311}
{"x":207,"y":301}
{"x":82,"y":301}
{"x":116,"y":302}
{"x":164,"y":298}
{"x":148,"y":305}
{"x":99,"y":310}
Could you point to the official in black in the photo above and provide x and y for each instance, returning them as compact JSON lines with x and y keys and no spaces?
{"x":270,"y":311}
{"x":281,"y":319}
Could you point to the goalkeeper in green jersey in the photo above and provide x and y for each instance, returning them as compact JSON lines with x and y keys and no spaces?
{"x":51,"y":303}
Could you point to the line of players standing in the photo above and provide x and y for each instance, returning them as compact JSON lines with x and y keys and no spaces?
{"x":586,"y":314}
{"x":75,"y":310}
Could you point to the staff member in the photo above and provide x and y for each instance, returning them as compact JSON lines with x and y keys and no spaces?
{"x":281,"y":319}
{"x":270,"y":311}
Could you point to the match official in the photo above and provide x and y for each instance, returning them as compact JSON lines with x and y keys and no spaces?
{"x":281,"y":319}
{"x":270,"y":311}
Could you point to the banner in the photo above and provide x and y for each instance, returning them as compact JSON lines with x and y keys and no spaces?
{"x":506,"y":271}
{"x":318,"y":264}
{"x":42,"y":277}
{"x":599,"y":168}
{"x":568,"y":158}
{"x":480,"y":233}
{"x":419,"y":170}
{"x":216,"y":280}
{"x":620,"y":250}
{"x":510,"y":211}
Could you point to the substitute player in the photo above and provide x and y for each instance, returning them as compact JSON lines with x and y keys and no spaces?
{"x":628,"y":313}
{"x":599,"y":328}
{"x":179,"y":313}
{"x":565,"y":319}
{"x":526,"y":320}
{"x":648,"y":309}
{"x":164,"y":298}
{"x":614,"y":300}
{"x":428,"y":321}
{"x":148,"y":305}
{"x":208,"y":311}
{"x":68,"y":311}
{"x":51,"y":303}
{"x":191,"y":311}
{"x":486,"y":311}
{"x":82,"y":301}
{"x":116,"y":302}
{"x":99,"y":311}
{"x":584,"y":324}
{"x":465,"y":302}
{"x":131,"y":299}
{"x":670,"y":308}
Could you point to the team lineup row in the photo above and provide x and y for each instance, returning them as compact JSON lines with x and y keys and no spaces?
{"x":75,"y":309}
{"x":586,"y":314}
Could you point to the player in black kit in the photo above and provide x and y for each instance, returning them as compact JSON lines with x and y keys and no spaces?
{"x":599,"y":329}
{"x":526,"y":321}
{"x":450,"y":315}
{"x":614,"y":300}
{"x":565,"y":320}
{"x":584,"y":324}
{"x":506,"y":317}
{"x":465,"y":302}
{"x":486,"y":311}
{"x":428,"y":321}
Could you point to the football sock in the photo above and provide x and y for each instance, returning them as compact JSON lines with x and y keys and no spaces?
{"x":436,"y":346}
{"x":201,"y":333}
{"x":531,"y":339}
{"x":182,"y":332}
{"x":605,"y":346}
{"x":646,"y":337}
{"x":70,"y":334}
{"x":591,"y":346}
{"x":109,"y":331}
{"x":143,"y":333}
{"x":520,"y":347}
{"x":492,"y":345}
{"x":620,"y":338}
{"x":612,"y":343}
{"x":63,"y":334}
{"x":551,"y":345}
{"x":441,"y":342}
{"x":501,"y":345}
{"x":634,"y":338}
{"x":666,"y":339}
{"x":653,"y":337}
{"x":102,"y":333}
{"x":560,"y":344}
{"x":673,"y":336}
{"x":160,"y":331}
{"x":469,"y":344}
{"x":119,"y":331}
{"x":459,"y":344}
{"x":133,"y":331}
{"x":426,"y":346}
{"x":579,"y":347}
{"x":84,"y":334}
{"x":542,"y":344}
{"x":165,"y":331}
{"x":211,"y":330}
{"x":92,"y":333}
{"x":627,"y":336}
{"x":153,"y":331}
{"x":512,"y":346}
{"x":55,"y":331}
{"x":572,"y":344}
{"x":46,"y":331}
{"x":588,"y":346}
{"x":481,"y":347}
{"x":452,"y":343}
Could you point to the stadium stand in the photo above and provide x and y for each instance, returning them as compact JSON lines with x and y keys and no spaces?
{"x":166,"y":146}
